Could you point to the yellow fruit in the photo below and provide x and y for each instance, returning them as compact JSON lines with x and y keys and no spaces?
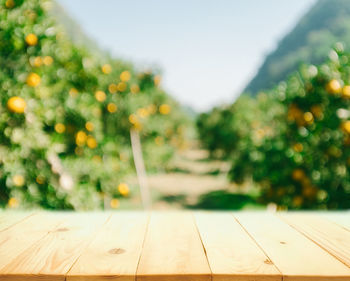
{"x":142,"y":112}
{"x":111,"y":107}
{"x":114,"y":203}
{"x":164,"y":109}
{"x":60,"y":128}
{"x":73,"y":92}
{"x":123,"y":189}
{"x":13,"y":202}
{"x":100,"y":96}
{"x":18,"y":180}
{"x":91,"y":142}
{"x":346,"y":126}
{"x":135,"y":89}
{"x":308,"y":117}
{"x":298,"y":147}
{"x":152,"y":109}
{"x":31,"y":39}
{"x":157,"y":80}
{"x":346,"y":91}
{"x":37,"y":62}
{"x":137,"y":126}
{"x":33,"y":79}
{"x":48,"y":60}
{"x":40,"y":179}
{"x":89,"y":126}
{"x":106,"y":69}
{"x":16,"y":104}
{"x":133,"y":119}
{"x":112,"y":88}
{"x":333,"y":86}
{"x":125,"y":76}
{"x":80,"y":138}
{"x":298,"y":174}
{"x":121,"y":86}
{"x":10,"y":4}
{"x":317,"y":111}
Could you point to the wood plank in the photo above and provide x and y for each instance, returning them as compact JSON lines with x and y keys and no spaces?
{"x":340,"y":218}
{"x":51,"y":257}
{"x":296,"y":256}
{"x":173,"y":250}
{"x":328,"y":235}
{"x":231,"y":252}
{"x":115,"y":251}
{"x":8,"y":219}
{"x":19,"y":237}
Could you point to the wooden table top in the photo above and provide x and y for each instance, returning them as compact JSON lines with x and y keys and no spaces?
{"x":169,"y":246}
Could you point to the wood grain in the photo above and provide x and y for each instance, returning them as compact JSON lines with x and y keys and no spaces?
{"x":8,"y":219}
{"x":51,"y":257}
{"x":19,"y":237}
{"x":231,"y":253}
{"x":296,"y":256}
{"x":115,"y":251}
{"x":328,"y":235}
{"x":172,"y":246}
{"x":172,"y":250}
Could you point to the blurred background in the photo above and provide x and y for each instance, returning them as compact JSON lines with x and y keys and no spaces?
{"x":171,"y":105}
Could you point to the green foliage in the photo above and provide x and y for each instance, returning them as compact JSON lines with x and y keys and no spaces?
{"x":295,"y":140}
{"x":326,"y":23}
{"x":65,"y":116}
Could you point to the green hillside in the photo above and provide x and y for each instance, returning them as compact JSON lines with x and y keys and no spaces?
{"x":327,"y":23}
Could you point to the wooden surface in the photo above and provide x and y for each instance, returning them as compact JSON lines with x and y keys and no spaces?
{"x":169,"y":246}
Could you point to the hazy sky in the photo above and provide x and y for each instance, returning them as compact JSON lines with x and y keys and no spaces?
{"x":208,"y":50}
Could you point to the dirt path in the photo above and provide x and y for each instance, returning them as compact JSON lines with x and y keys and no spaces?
{"x":194,"y":181}
{"x":192,"y":175}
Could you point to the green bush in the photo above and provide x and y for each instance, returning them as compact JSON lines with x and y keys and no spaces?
{"x":66,"y":113}
{"x":294,"y":144}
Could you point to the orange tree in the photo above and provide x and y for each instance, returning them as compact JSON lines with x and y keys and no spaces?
{"x":302,"y":160}
{"x":65,"y":116}
{"x":293,"y":141}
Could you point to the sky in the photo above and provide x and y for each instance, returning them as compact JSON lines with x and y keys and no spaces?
{"x":207,"y":50}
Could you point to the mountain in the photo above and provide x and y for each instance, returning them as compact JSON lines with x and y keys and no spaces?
{"x":325,"y":24}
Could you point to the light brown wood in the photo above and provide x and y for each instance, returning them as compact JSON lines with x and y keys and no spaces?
{"x":19,"y":237}
{"x":296,"y":256}
{"x":328,"y":235}
{"x":8,"y":219}
{"x":172,"y":250}
{"x":340,"y":218}
{"x":173,"y":246}
{"x":115,"y":251}
{"x":231,"y":253}
{"x":51,"y":257}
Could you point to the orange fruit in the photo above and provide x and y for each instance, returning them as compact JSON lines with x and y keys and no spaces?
{"x":106,"y":69}
{"x":31,"y":39}
{"x":16,"y":104}
{"x":33,"y":79}
{"x":111,"y":107}
{"x":333,"y":86}
{"x":123,"y":189}
{"x":100,"y":96}
{"x":125,"y":76}
{"x":114,"y":203}
{"x":164,"y":109}
{"x":18,"y":180}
